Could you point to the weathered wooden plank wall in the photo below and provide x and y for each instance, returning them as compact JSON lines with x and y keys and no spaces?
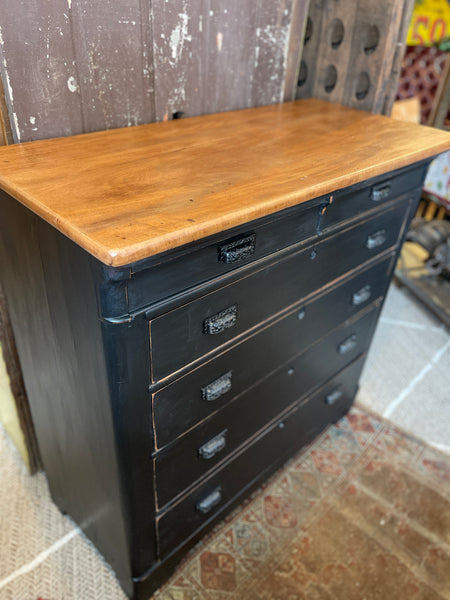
{"x":353,"y":50}
{"x":71,"y":66}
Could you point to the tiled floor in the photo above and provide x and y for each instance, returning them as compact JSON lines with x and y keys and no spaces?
{"x":407,"y":375}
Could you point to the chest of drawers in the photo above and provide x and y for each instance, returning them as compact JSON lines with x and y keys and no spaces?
{"x":190,"y":310}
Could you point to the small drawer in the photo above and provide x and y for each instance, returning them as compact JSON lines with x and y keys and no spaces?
{"x":203,"y":325}
{"x":351,"y":203}
{"x":209,"y":500}
{"x":193,"y":397}
{"x":201,"y":449}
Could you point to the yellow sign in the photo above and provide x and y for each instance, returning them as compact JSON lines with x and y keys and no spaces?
{"x":430,"y":23}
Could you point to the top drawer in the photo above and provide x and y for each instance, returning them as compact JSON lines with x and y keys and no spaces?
{"x":152,"y":281}
{"x":350,"y":203}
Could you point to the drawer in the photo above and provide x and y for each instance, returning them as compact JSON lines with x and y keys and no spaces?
{"x":208,"y":500}
{"x":211,"y":259}
{"x":161,"y":278}
{"x":203,"y":325}
{"x":354,"y":202}
{"x":200,"y":450}
{"x":193,"y":397}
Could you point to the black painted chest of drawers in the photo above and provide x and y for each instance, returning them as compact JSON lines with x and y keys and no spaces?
{"x":165,"y":390}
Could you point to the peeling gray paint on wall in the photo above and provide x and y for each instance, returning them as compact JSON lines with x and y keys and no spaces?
{"x":71,"y":66}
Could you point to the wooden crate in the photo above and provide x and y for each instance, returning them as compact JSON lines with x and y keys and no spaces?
{"x":352,"y":52}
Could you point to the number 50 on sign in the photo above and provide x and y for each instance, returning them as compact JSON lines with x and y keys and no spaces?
{"x":430,"y":22}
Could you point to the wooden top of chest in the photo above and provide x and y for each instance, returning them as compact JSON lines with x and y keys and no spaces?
{"x":127,"y":194}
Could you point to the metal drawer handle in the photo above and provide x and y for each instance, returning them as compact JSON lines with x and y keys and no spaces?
{"x":215,"y":445}
{"x":347,"y":345}
{"x":217,"y":388}
{"x":223,"y":320}
{"x":361,"y":295}
{"x":205,"y":505}
{"x":381,"y":192}
{"x":333,"y":396}
{"x":237,"y":249}
{"x":376,"y":239}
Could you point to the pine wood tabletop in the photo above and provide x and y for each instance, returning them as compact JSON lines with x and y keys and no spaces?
{"x":127,"y":194}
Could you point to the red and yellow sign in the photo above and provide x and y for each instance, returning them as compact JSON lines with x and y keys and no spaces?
{"x":430,"y":23}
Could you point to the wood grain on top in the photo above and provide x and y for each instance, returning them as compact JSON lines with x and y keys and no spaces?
{"x":126,"y":194}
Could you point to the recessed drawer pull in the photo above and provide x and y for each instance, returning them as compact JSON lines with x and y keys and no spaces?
{"x":380,"y":192}
{"x":361,"y":295}
{"x":333,"y":396}
{"x":376,"y":239}
{"x":237,"y":249}
{"x":223,"y":320}
{"x":212,"y":500}
{"x":217,"y":388}
{"x":215,"y":445}
{"x":347,"y":345}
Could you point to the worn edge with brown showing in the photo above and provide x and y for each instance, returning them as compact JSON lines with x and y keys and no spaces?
{"x":14,"y":371}
{"x":138,"y":192}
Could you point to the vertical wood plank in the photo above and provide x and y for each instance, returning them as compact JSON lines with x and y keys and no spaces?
{"x":391,"y":91}
{"x":295,"y":48}
{"x":441,"y":102}
{"x":273,"y":20}
{"x":371,"y":65}
{"x":212,"y":57}
{"x":114,"y":65}
{"x":38,"y":69}
{"x":179,"y":32}
{"x":333,"y":56}
{"x":230,"y":57}
{"x":308,"y":63}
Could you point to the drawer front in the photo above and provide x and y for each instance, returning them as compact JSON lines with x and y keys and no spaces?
{"x":351,"y":203}
{"x":233,"y":251}
{"x":193,"y":397}
{"x":200,"y":450}
{"x":210,"y":499}
{"x":186,"y":333}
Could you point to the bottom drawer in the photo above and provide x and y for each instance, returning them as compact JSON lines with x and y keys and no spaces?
{"x":295,"y":429}
{"x":201,"y":449}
